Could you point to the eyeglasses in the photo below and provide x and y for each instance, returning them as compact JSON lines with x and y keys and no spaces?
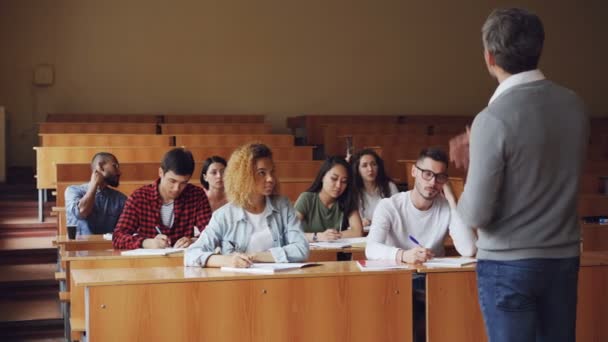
{"x":427,"y":175}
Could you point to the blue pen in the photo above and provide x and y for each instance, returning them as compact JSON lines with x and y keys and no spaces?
{"x":413,"y":239}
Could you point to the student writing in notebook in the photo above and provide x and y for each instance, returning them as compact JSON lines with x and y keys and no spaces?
{"x":257,"y":224}
{"x":328,"y":208}
{"x":427,"y":213}
{"x":164,"y":214}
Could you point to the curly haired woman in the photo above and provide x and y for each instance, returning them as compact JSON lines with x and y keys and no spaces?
{"x":257,"y":225}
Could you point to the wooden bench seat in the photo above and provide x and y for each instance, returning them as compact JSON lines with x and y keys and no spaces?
{"x":213,"y":118}
{"x":98,"y":127}
{"x":272,"y":140}
{"x":90,"y":139}
{"x":98,"y":117}
{"x":205,"y":128}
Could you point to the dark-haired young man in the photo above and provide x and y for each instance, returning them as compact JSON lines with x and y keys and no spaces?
{"x":426,"y":213}
{"x":527,"y":148}
{"x":164,"y":214}
{"x":94,"y":207}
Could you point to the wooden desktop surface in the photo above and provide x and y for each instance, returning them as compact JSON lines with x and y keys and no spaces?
{"x":334,"y":301}
{"x":82,"y":242}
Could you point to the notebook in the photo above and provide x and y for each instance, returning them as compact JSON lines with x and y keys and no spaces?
{"x":268,"y":268}
{"x":380,"y":265}
{"x":151,"y":251}
{"x":450,"y":262}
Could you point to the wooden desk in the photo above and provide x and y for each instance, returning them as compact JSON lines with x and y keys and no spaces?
{"x":335,"y":302}
{"x":453,"y":313}
{"x":331,"y":254}
{"x":102,"y":259}
{"x":82,"y":243}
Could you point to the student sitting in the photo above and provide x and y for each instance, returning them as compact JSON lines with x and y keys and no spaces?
{"x":94,"y":207}
{"x":371,"y":183}
{"x":212,"y":179}
{"x":257,"y":225}
{"x":165,"y":213}
{"x":426,"y":214}
{"x":323,"y":207}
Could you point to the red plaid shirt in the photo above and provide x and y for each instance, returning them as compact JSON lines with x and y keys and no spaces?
{"x":141,"y":215}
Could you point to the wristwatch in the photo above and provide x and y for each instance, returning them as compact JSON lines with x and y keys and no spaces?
{"x":314,"y":237}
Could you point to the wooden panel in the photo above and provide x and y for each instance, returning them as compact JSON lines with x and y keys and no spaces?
{"x":88,"y":117}
{"x":47,"y":157}
{"x":272,"y":140}
{"x":333,"y":144}
{"x":77,"y":306}
{"x":313,"y":124}
{"x":98,"y":127}
{"x":202,"y":128}
{"x":81,"y":172}
{"x":370,"y":307}
{"x":592,"y":306}
{"x":67,"y":139}
{"x":294,"y":153}
{"x":289,"y":187}
{"x":595,"y":237}
{"x":593,"y":205}
{"x":213,"y":118}
{"x":449,"y":296}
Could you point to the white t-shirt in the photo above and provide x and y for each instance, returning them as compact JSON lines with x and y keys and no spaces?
{"x":369,"y":201}
{"x":396,"y":218}
{"x":167,"y":214}
{"x":261,"y":238}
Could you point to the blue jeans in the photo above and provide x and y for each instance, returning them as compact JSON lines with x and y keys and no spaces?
{"x":529,"y":300}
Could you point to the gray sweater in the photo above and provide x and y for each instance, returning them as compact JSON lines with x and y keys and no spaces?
{"x":527,"y":150}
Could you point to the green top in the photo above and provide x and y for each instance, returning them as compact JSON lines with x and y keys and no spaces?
{"x":317,"y":217}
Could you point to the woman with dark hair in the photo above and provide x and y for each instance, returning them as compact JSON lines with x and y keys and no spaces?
{"x":256,"y":225}
{"x":371,"y":183}
{"x":212,"y":179}
{"x":327,"y":209}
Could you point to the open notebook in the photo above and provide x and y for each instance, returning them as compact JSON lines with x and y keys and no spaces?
{"x":268,"y":268}
{"x":150,"y":251}
{"x":450,"y":262}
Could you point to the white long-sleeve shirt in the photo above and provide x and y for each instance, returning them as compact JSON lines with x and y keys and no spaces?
{"x":396,"y":218}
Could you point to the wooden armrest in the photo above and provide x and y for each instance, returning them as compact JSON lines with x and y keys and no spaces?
{"x":59,"y":275}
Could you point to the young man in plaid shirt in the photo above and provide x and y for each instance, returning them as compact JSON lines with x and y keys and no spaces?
{"x":165,"y":213}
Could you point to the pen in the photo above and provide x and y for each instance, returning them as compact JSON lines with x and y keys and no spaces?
{"x":233,"y":246}
{"x":413,"y":239}
{"x":159,"y":232}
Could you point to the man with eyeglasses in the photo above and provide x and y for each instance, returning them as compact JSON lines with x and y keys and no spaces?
{"x":411,"y":226}
{"x":94,"y":207}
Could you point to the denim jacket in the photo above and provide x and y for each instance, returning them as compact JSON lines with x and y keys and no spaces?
{"x":229,"y":231}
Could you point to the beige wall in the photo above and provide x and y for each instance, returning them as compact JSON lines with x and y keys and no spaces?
{"x":277,"y":57}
